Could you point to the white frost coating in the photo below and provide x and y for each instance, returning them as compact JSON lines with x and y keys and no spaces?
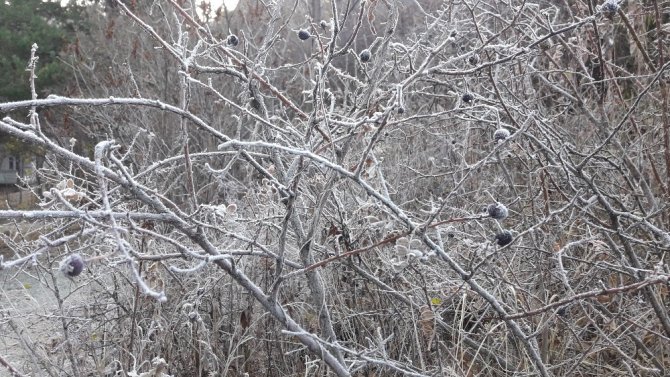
{"x":191,"y":270}
{"x":100,"y":150}
{"x":401,"y":250}
{"x":415,"y":253}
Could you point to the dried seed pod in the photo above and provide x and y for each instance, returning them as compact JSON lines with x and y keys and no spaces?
{"x":497,"y":211}
{"x":415,"y":254}
{"x":72,"y":265}
{"x":415,"y":244}
{"x":402,"y":247}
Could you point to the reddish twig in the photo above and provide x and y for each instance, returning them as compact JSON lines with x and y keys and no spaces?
{"x":385,"y":241}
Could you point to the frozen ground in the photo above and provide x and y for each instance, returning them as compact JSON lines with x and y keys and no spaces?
{"x":28,"y":307}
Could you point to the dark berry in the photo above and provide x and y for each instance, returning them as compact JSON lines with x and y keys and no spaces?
{"x":453,"y":34}
{"x":473,"y":59}
{"x":504,"y":238}
{"x":365,"y":55}
{"x":232,"y":40}
{"x":501,"y":134}
{"x":609,"y":9}
{"x":401,"y":110}
{"x":497,"y":211}
{"x":73,"y":265}
{"x":467,"y":98}
{"x":303,"y":35}
{"x":323,"y":24}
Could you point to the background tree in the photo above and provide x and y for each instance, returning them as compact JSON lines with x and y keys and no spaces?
{"x":46,"y":23}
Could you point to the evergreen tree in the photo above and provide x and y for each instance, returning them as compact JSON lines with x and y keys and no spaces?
{"x":23,"y":23}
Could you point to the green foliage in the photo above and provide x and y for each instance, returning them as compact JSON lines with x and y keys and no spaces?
{"x":15,"y":147}
{"x":23,"y":23}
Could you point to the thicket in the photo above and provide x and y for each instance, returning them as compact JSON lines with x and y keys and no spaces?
{"x":378,"y":188}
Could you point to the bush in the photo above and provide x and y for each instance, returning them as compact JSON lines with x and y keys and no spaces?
{"x":267,"y":209}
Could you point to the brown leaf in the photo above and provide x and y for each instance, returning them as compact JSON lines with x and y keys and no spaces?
{"x":427,"y":321}
{"x":245,"y":319}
